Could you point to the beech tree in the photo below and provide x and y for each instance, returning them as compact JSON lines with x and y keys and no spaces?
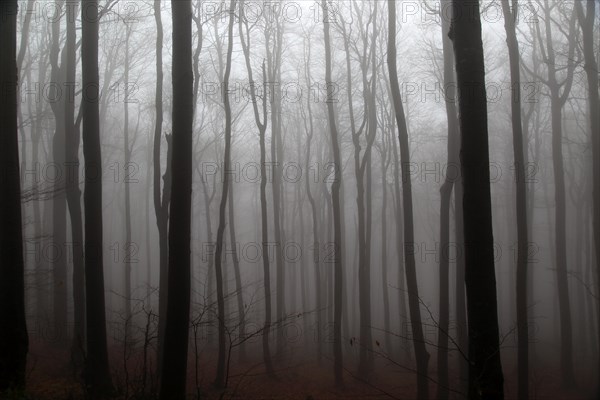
{"x":421,"y":354}
{"x":485,"y":373}
{"x":174,"y":359}
{"x":14,"y":342}
{"x":97,"y":373}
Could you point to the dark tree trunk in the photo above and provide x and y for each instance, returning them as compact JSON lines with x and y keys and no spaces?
{"x":309,"y":128}
{"x":97,"y":373}
{"x":127,"y":152}
{"x":13,"y":330}
{"x":238,"y":276}
{"x":58,"y":260}
{"x":220,"y":380}
{"x":591,"y":68}
{"x":335,"y":198}
{"x":161,"y":204}
{"x":174,"y":362}
{"x":510,"y":18}
{"x":73,"y":193}
{"x":421,"y":354}
{"x":486,"y":380}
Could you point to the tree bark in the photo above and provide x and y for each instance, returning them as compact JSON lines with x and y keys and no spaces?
{"x":485,"y":377}
{"x":73,"y":192}
{"x":14,"y":342}
{"x":591,"y":69}
{"x":174,"y":362}
{"x":97,"y":371}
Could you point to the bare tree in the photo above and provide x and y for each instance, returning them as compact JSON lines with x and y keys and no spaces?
{"x":421,"y":354}
{"x":262,"y":128}
{"x":220,"y":379}
{"x":485,"y":375}
{"x":97,"y":373}
{"x":174,"y":358}
{"x":335,"y":198}
{"x":586,"y":21}
{"x":510,"y":20}
{"x":14,"y":342}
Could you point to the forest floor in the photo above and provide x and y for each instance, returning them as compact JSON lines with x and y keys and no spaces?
{"x":300,"y":377}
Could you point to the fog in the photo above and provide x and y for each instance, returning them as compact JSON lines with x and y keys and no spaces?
{"x":260,"y":173}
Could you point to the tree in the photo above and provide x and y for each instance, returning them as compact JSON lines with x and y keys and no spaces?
{"x":586,"y":21}
{"x":557,"y":102}
{"x":485,"y":375}
{"x":510,"y":20}
{"x":174,"y":362}
{"x":446,"y":196}
{"x":59,"y":204}
{"x":73,"y":192}
{"x":161,"y":203}
{"x":97,"y":374}
{"x":262,"y":128}
{"x":14,"y":343}
{"x":362,"y":167}
{"x":335,"y":198}
{"x":421,"y":354}
{"x":220,"y":379}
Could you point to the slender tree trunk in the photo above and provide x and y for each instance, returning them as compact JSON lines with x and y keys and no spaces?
{"x":510,"y":19}
{"x":309,"y":128}
{"x":73,"y":193}
{"x":59,"y":205}
{"x":174,"y":362}
{"x":385,"y":162}
{"x":161,"y":204}
{"x":591,"y":69}
{"x":335,"y":197}
{"x":97,"y":372}
{"x":421,"y":354}
{"x":237,"y":272}
{"x":13,"y":330}
{"x":446,"y":196}
{"x":220,"y":380}
{"x":262,"y":128}
{"x":486,"y":380}
{"x":127,"y":152}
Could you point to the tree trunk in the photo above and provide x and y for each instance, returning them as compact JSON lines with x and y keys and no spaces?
{"x":485,"y":378}
{"x":510,"y":20}
{"x":97,"y":371}
{"x":262,"y":127}
{"x":73,"y":193}
{"x":446,"y":196}
{"x":239,"y":289}
{"x":335,"y":197}
{"x":14,"y":342}
{"x":58,"y":260}
{"x":421,"y":354}
{"x":174,"y":362}
{"x":127,"y":152}
{"x":220,"y":380}
{"x":591,"y":69}
{"x":161,"y":205}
